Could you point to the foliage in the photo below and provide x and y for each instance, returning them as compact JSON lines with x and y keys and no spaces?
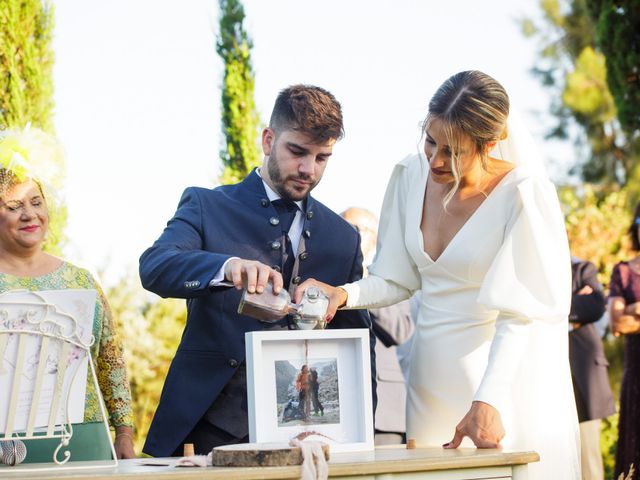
{"x":586,"y":92}
{"x":630,"y":473}
{"x":618,"y":36}
{"x":26,"y":88}
{"x":150,"y":331}
{"x":614,"y":351}
{"x":573,"y":70}
{"x":240,"y":121}
{"x":609,"y":443}
{"x":597,"y":224}
{"x":26,"y":63}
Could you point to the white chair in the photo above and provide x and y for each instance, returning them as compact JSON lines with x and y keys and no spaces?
{"x":42,"y":351}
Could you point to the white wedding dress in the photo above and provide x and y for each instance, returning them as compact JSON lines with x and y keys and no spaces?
{"x":492,"y":323}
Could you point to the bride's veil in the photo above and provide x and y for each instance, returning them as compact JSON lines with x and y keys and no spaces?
{"x":519,"y":147}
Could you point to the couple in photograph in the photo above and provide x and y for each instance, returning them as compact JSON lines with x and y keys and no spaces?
{"x":471,"y":222}
{"x":308,"y":389}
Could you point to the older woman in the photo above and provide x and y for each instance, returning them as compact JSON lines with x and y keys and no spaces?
{"x":24,"y":221}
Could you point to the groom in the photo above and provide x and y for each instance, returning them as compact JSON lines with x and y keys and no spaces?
{"x":265,"y":229}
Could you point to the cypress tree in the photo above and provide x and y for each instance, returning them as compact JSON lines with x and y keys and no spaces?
{"x":618,"y":36}
{"x":26,"y":64}
{"x":240,"y":121}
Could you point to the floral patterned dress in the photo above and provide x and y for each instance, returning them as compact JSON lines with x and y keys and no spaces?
{"x":106,"y":351}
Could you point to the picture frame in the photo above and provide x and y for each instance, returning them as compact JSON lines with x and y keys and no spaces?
{"x":310,"y":383}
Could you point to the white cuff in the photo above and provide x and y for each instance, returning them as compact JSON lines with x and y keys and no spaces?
{"x":353,"y":294}
{"x":218,"y":279}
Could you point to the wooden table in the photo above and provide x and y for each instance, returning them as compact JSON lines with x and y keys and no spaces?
{"x":385,"y":463}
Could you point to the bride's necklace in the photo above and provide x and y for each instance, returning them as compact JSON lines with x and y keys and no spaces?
{"x":476,"y":191}
{"x":481,"y":186}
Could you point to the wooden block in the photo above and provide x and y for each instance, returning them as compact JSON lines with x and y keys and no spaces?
{"x":188,"y":450}
{"x":259,"y":455}
{"x":411,"y":443}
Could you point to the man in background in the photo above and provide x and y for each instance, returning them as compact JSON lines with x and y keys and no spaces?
{"x":392,"y":326}
{"x":594,"y":399}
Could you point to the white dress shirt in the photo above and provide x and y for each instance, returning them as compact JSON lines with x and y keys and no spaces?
{"x":295,"y":232}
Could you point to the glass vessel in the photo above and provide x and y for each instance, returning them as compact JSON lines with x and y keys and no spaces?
{"x":268,"y":307}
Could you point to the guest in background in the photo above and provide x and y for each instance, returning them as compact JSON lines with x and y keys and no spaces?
{"x":594,"y":399}
{"x":392,"y":326}
{"x":24,"y":223}
{"x":624,"y":313}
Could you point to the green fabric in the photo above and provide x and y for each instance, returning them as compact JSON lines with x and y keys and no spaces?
{"x":89,"y":442}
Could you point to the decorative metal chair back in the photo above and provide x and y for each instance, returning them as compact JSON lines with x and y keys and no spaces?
{"x":44,"y":356}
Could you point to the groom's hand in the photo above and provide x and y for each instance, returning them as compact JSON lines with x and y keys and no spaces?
{"x":255,"y":275}
{"x":482,"y":424}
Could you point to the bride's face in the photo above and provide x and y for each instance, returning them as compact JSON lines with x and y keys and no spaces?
{"x":441,"y":155}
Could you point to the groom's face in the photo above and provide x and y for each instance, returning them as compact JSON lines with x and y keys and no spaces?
{"x":293,"y":164}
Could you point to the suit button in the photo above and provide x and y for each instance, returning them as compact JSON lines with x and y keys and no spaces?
{"x":276,"y":268}
{"x":307,"y":234}
{"x":309,"y":215}
{"x":295,"y":280}
{"x":264,"y":202}
{"x":274,"y":221}
{"x":276,"y":245}
{"x":233,"y":363}
{"x":303,"y":256}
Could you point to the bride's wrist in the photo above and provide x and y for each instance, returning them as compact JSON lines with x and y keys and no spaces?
{"x":343,"y":296}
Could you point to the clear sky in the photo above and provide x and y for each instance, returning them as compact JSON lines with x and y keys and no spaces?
{"x":137,"y":91}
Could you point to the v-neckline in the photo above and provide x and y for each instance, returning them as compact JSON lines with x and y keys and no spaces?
{"x":462,"y":227}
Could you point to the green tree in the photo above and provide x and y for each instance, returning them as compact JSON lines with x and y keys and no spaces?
{"x":570,"y":65}
{"x":26,"y":63}
{"x":618,"y":36}
{"x":597,"y":225}
{"x":240,"y":121}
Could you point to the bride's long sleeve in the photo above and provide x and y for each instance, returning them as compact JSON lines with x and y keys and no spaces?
{"x":393,"y":276}
{"x":529,"y":283}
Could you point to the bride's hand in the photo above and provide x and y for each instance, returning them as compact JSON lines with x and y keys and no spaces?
{"x":482,"y":424}
{"x":337,"y":296}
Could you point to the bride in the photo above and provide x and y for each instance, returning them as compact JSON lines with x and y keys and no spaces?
{"x":475,"y":225}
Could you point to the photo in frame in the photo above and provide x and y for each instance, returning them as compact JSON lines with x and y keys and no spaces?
{"x":310,"y":382}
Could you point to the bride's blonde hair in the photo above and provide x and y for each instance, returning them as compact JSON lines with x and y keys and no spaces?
{"x":472,"y":105}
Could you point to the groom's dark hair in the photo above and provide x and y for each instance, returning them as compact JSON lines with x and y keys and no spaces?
{"x":308,"y":109}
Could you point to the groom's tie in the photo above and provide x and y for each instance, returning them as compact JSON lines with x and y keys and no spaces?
{"x":287,"y":212}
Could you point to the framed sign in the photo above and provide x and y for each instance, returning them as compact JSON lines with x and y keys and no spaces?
{"x":303,"y":383}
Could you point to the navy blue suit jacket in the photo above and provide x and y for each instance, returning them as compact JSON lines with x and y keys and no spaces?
{"x":208,"y":227}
